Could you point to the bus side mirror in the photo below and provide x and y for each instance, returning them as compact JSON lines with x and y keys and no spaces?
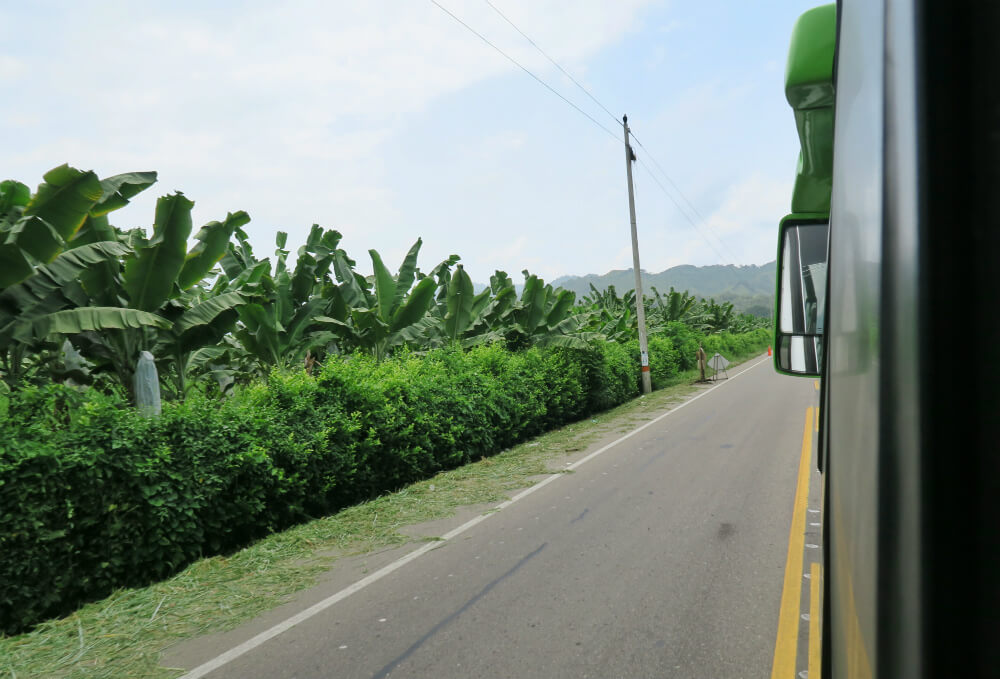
{"x":801,"y":298}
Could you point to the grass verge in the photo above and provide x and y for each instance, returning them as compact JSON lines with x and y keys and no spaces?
{"x":123,"y":635}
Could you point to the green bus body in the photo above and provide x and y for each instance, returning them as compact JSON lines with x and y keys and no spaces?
{"x":809,"y":91}
{"x":898,"y":118}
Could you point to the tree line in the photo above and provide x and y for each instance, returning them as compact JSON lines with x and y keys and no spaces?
{"x":80,"y":299}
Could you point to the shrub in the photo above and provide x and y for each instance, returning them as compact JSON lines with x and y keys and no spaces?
{"x":685,"y":341}
{"x":94,"y":496}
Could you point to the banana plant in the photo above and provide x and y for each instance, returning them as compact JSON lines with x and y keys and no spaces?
{"x":36,"y":309}
{"x":46,"y":247}
{"x":711,"y":317}
{"x":542,"y":316}
{"x":612,"y":316}
{"x":747,"y":322}
{"x":152,"y":279}
{"x":200,"y":322}
{"x":673,"y":306}
{"x":546,"y":317}
{"x":609,"y":301}
{"x":467,"y":318}
{"x":380,"y":321}
{"x":35,"y":229}
{"x":278,"y":325}
{"x":490,"y":324}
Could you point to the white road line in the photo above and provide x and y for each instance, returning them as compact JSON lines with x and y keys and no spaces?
{"x":285,"y":625}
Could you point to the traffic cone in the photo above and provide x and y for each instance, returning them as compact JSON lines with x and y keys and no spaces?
{"x":769,"y":350}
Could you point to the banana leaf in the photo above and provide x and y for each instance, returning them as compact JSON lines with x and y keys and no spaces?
{"x":351,"y":291}
{"x":52,"y":278}
{"x":460,"y":304}
{"x":213,"y":240}
{"x":151,"y":273}
{"x":119,"y":189}
{"x":206,"y":311}
{"x":407,"y":272}
{"x":416,"y":305}
{"x":385,"y":288}
{"x":57,"y":211}
{"x":72,"y":321}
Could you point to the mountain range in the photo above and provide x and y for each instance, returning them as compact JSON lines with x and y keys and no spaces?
{"x":750,"y":288}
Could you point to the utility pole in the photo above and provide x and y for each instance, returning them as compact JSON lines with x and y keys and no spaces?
{"x":640,"y":310}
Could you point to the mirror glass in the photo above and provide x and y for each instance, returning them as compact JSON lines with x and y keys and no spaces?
{"x":802,"y":297}
{"x":800,"y":354}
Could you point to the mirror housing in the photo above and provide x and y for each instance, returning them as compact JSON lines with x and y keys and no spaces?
{"x":809,"y":89}
{"x":800,"y":294}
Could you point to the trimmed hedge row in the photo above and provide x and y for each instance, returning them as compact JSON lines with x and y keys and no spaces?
{"x":94,"y":496}
{"x":674,"y":351}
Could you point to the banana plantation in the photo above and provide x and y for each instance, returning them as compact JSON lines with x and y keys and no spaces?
{"x":290,"y":388}
{"x":81,"y":300}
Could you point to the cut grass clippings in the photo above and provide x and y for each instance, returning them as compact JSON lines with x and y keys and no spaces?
{"x":124,"y":634}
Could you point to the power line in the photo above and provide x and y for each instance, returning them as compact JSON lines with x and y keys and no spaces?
{"x":684,"y":198}
{"x":660,"y":167}
{"x":613,"y":117}
{"x":509,"y":58}
{"x":554,"y":62}
{"x":516,"y":63}
{"x":681,"y":210}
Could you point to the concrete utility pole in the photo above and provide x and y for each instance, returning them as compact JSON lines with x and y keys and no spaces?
{"x":640,"y":310}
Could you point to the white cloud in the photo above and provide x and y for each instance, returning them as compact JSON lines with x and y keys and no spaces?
{"x":297,"y":112}
{"x":747,"y":219}
{"x":11,"y":69}
{"x":282,"y":109}
{"x":752,"y":200}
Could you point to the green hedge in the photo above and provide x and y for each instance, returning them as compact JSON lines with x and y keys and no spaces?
{"x":674,"y":351}
{"x":94,"y":496}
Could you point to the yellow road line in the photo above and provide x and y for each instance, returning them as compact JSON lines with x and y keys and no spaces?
{"x":786,"y":644}
{"x":816,"y":384}
{"x":815,"y":615}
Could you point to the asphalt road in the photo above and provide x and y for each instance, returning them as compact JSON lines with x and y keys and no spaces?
{"x":662,"y":557}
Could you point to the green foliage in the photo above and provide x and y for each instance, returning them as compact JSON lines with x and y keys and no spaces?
{"x":150,"y":274}
{"x":745,"y":286}
{"x":73,"y":274}
{"x":685,"y":340}
{"x":405,"y":375}
{"x":674,"y":306}
{"x":381,"y":320}
{"x":34,"y":229}
{"x":94,"y":496}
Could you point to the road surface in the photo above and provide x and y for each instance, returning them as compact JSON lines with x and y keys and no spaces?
{"x":663,"y":556}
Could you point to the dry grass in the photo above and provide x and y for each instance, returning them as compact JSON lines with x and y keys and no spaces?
{"x":122,"y":635}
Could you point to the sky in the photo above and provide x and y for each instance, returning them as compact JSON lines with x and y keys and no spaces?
{"x":388,"y":120}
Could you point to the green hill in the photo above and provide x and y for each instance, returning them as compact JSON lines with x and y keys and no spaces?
{"x":750,"y":288}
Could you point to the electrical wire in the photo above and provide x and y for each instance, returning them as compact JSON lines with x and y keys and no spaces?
{"x":662,"y":188}
{"x":690,"y":221}
{"x":690,"y":205}
{"x":554,"y":62}
{"x":516,"y":63}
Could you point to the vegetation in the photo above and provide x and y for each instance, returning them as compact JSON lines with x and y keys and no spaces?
{"x":749,"y":288}
{"x":123,"y":635}
{"x":291,"y":391}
